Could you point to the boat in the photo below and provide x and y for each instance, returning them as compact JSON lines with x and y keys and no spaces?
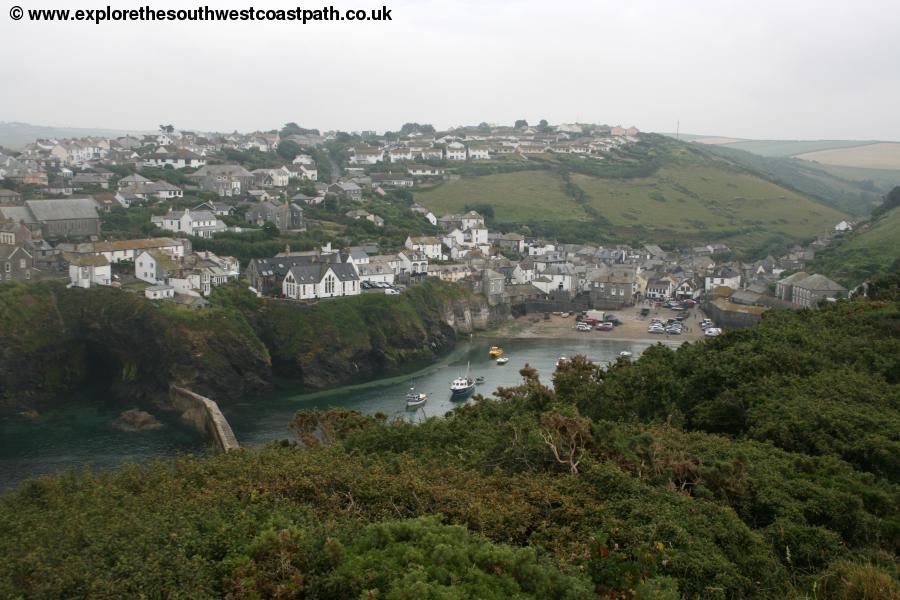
{"x":625,"y":354}
{"x":561,"y":361}
{"x":479,"y":380}
{"x":461,"y":387}
{"x":495,"y":351}
{"x":502,"y":360}
{"x":414,"y":399}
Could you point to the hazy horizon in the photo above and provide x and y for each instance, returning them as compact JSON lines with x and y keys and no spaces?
{"x":808,"y":70}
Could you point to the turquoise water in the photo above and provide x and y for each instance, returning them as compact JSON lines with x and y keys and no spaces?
{"x":82,"y":435}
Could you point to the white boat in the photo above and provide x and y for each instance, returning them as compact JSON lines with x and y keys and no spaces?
{"x":462,"y":386}
{"x":502,"y":360}
{"x":561,"y":361}
{"x":414,"y":399}
{"x":625,"y":354}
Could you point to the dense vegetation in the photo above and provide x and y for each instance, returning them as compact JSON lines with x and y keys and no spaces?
{"x":761,"y":464}
{"x":855,"y":197}
{"x":56,"y":339}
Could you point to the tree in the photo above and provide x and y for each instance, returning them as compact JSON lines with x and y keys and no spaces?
{"x":167,"y":128}
{"x":294,"y":129}
{"x":567,"y":435}
{"x":521,"y":124}
{"x":288,"y":150}
{"x":409,"y":128}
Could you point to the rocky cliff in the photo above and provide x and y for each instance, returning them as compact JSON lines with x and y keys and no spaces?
{"x":56,"y":340}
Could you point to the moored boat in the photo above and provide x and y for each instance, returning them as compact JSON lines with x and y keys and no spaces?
{"x":502,"y":360}
{"x":495,"y":351}
{"x":414,"y":399}
{"x":625,"y":354}
{"x":461,"y":387}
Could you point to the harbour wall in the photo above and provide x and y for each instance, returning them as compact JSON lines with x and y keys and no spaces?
{"x":204,"y":414}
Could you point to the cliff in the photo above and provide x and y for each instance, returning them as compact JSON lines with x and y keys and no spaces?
{"x":57,"y":339}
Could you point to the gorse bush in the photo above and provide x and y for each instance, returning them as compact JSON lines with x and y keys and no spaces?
{"x":761,"y":464}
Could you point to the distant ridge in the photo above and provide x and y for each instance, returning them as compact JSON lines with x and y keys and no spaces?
{"x":17,"y":135}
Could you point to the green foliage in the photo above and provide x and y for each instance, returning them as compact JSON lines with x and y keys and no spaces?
{"x":872,"y":249}
{"x":760,"y":464}
{"x":294,"y":129}
{"x":288,"y":150}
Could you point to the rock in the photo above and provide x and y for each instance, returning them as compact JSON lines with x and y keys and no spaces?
{"x":30,"y":414}
{"x":136,"y":420}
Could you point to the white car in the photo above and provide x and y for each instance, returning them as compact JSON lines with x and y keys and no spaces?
{"x":712,"y":332}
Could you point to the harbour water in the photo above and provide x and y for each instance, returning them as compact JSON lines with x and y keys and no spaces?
{"x":81,"y":434}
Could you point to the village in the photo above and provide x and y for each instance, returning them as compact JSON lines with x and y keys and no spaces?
{"x":60,"y":192}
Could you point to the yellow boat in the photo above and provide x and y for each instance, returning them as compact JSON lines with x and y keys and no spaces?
{"x":495,"y":351}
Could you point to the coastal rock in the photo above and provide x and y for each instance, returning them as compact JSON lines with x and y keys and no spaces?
{"x":136,"y":420}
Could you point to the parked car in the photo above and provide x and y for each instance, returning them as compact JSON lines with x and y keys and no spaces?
{"x":712,"y":332}
{"x":583,"y":327}
{"x":645,"y":312}
{"x":604,"y":326}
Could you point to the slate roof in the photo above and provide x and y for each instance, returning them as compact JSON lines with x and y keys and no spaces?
{"x":61,"y":210}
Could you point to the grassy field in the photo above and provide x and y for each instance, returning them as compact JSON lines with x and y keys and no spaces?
{"x":884,"y":155}
{"x":793,"y":147}
{"x":706,"y":199}
{"x":694,"y":197}
{"x":516,"y":197}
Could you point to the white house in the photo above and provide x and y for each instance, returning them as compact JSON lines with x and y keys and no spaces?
{"x":159,"y":292}
{"x":413,"y":262}
{"x":428,"y":245}
{"x":456,"y":151}
{"x":425,"y":171}
{"x":86,"y":270}
{"x":154,"y":266}
{"x":201,"y":223}
{"x":723,"y":277}
{"x":320,"y":280}
{"x":660,"y":289}
{"x":479,"y":152}
{"x":365,"y":155}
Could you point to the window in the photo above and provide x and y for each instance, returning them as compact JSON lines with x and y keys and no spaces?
{"x":329,"y":284}
{"x":9,"y":267}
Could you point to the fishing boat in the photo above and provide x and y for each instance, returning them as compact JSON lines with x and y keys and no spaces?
{"x":502,"y":360}
{"x":461,"y":387}
{"x":414,"y":399}
{"x":625,"y":354}
{"x":495,"y":351}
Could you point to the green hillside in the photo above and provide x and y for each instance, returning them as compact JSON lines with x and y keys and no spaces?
{"x":661,"y":191}
{"x":761,"y":464}
{"x":852,"y":190}
{"x":873,"y":249}
{"x":516,"y":197}
{"x":786,"y":148}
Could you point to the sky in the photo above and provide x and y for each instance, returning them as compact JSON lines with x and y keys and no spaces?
{"x":786,"y":69}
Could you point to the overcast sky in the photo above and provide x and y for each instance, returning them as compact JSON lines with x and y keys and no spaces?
{"x":785,"y":69}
